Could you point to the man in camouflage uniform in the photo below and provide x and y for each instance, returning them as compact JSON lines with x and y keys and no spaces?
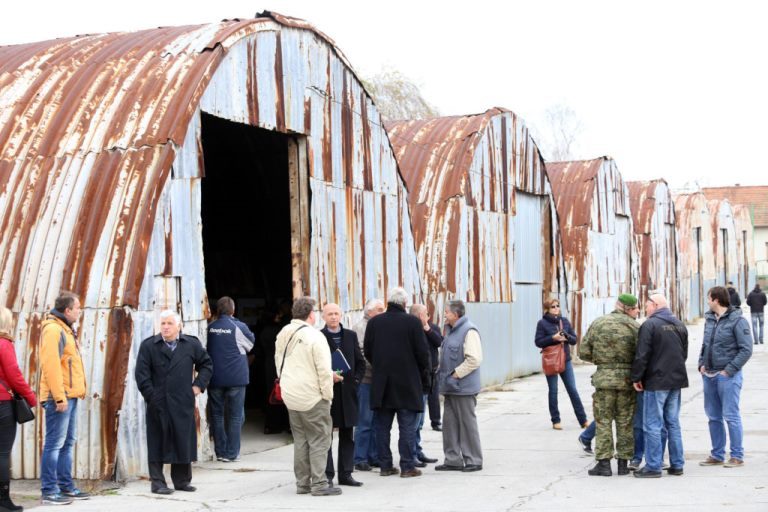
{"x":610,"y":343}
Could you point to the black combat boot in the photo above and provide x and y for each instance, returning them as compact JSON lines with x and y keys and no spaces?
{"x":602,"y":468}
{"x":623,"y":469}
{"x":5,"y":498}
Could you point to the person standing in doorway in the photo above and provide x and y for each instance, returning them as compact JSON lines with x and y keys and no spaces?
{"x":460,"y":383}
{"x":725,"y":350}
{"x":555,"y":329}
{"x":344,"y":404}
{"x":62,"y":387}
{"x":172,"y":369}
{"x":756,"y":300}
{"x":229,"y":341}
{"x":610,"y":343}
{"x":658,"y":372}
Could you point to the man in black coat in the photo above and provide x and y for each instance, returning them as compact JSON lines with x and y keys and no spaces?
{"x":733,"y":295}
{"x":165,"y":368}
{"x":659,"y":372}
{"x":757,"y":301}
{"x":396,"y":347}
{"x":344,"y":404}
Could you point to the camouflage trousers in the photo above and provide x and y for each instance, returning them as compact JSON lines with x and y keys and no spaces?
{"x":614,"y":405}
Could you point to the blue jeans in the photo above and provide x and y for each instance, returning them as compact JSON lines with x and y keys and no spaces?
{"x":60,"y":435}
{"x":721,"y":402}
{"x":589,"y":433}
{"x":365,"y":433}
{"x":638,"y":433}
{"x":757,"y":323}
{"x":569,"y":380}
{"x":228,"y":425}
{"x":661,"y":410}
{"x":407,"y":422}
{"x":417,"y":451}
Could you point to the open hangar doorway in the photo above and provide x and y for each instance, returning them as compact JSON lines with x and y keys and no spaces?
{"x":254,"y":226}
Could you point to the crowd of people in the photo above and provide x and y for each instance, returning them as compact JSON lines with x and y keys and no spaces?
{"x":394,"y":363}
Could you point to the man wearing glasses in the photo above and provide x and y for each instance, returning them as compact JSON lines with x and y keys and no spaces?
{"x":610,"y":343}
{"x":659,"y":373}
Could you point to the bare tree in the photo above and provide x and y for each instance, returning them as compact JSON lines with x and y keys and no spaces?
{"x":562,"y":127}
{"x":398,"y":97}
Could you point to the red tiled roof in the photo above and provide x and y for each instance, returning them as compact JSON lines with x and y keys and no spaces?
{"x":755,"y":198}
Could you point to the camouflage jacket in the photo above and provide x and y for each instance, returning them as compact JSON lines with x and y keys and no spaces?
{"x":610,"y":343}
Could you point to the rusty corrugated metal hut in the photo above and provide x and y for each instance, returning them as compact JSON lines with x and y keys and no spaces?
{"x":745,"y":250}
{"x":485,"y":227}
{"x":596,"y":226}
{"x":695,"y":253}
{"x":134,"y":165}
{"x":653,"y":215}
{"x":724,"y":241}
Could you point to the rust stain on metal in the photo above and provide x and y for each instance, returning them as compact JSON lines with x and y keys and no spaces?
{"x":280,"y":100}
{"x":252,"y":84}
{"x":347,"y":137}
{"x":367,"y":167}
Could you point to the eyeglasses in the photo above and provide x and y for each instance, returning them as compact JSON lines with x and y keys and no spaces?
{"x":554,"y":306}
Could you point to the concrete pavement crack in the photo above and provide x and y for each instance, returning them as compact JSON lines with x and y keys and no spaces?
{"x":523,"y":500}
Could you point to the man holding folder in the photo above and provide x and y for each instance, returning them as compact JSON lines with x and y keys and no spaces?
{"x":347,"y":361}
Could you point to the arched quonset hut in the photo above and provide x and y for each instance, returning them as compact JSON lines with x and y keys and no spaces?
{"x":653,"y":215}
{"x":159,"y":168}
{"x":745,"y":250}
{"x":485,"y":227}
{"x":601,"y":259}
{"x":695,"y":253}
{"x":724,"y":242}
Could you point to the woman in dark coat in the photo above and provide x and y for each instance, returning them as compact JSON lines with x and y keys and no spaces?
{"x":165,"y":368}
{"x":555,"y":329}
{"x":344,"y":405}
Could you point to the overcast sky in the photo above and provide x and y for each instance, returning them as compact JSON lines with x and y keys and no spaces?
{"x":672,"y":89}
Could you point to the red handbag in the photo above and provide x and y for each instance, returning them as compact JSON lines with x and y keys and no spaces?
{"x":553,"y":358}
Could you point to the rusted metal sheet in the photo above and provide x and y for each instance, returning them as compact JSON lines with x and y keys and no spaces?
{"x":745,"y":251}
{"x":724,"y":241}
{"x":469,"y":177}
{"x":653,"y":215}
{"x":599,"y":247}
{"x":695,"y":253}
{"x":100,"y":174}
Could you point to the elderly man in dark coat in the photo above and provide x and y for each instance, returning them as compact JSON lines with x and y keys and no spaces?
{"x":165,"y":375}
{"x":396,"y":347}
{"x":344,"y":405}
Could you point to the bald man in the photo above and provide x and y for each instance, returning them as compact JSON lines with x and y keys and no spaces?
{"x":344,"y":407}
{"x":658,"y":371}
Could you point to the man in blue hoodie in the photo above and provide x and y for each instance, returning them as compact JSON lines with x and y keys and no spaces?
{"x":229,"y":341}
{"x":726,"y":347}
{"x":658,"y":372}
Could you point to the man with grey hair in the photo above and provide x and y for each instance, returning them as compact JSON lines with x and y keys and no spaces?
{"x":366,"y":455}
{"x":459,"y":378}
{"x":303,"y":364}
{"x":396,"y":347}
{"x":171,"y":370}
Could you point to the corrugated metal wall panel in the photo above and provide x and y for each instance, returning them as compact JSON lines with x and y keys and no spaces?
{"x":526,"y":312}
{"x":528,"y":229}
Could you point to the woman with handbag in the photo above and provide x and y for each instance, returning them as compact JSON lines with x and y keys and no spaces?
{"x":553,"y":334}
{"x":11,"y":381}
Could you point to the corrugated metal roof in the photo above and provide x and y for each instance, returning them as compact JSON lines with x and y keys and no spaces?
{"x":756,"y":198}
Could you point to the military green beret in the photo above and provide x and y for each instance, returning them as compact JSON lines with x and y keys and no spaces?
{"x":628,"y":299}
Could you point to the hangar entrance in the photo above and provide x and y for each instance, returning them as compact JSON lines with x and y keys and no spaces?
{"x":253,"y":209}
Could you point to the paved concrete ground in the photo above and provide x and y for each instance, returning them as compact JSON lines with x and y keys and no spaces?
{"x":528,"y":466}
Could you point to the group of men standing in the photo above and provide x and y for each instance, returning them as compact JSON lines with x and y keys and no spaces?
{"x":647,"y":362}
{"x":392,"y":380}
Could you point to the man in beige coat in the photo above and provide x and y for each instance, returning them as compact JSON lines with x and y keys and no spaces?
{"x":303,"y":364}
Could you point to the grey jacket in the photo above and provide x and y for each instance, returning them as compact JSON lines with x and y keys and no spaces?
{"x":727,"y":343}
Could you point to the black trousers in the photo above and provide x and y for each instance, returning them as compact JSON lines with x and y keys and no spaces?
{"x":433,"y":399}
{"x":346,"y":454}
{"x":181,"y":475}
{"x":7,"y":436}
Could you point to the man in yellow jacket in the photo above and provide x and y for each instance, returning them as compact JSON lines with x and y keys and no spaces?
{"x":62,"y":385}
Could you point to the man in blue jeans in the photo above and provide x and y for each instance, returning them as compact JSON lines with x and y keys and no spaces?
{"x":726,"y":348}
{"x":229,"y":341}
{"x":62,"y":386}
{"x":658,"y":371}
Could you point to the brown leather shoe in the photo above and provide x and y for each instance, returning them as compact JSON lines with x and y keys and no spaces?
{"x":389,"y":471}
{"x":410,"y":473}
{"x":711,"y":461}
{"x":733,"y":463}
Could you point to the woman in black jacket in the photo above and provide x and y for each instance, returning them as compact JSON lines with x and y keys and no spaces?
{"x":554,"y":329}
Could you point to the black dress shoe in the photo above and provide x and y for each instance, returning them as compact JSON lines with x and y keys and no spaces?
{"x":472,"y":467}
{"x":439,"y":428}
{"x":674,"y":471}
{"x":362,"y":466}
{"x":419,"y":464}
{"x":163,"y":490}
{"x":429,"y":460}
{"x":646,"y":473}
{"x":389,"y":471}
{"x":348,"y":480}
{"x":448,"y":467}
{"x":187,"y":488}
